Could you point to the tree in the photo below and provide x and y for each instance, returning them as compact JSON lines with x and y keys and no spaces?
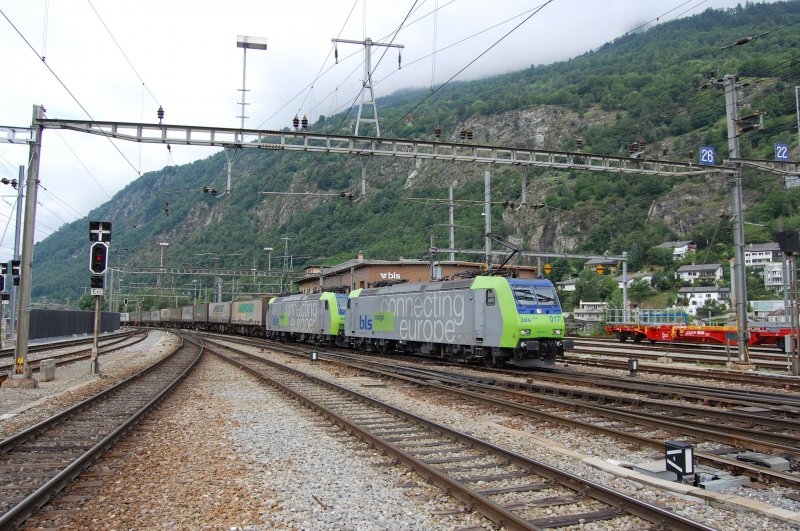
{"x":639,"y":290}
{"x":662,"y":257}
{"x":86,"y":302}
{"x":712,"y":307}
{"x":593,"y":287}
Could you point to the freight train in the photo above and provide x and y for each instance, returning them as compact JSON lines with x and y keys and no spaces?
{"x":489,"y":319}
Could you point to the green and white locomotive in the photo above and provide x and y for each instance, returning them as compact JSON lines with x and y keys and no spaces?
{"x":490,"y":319}
{"x":317,"y":318}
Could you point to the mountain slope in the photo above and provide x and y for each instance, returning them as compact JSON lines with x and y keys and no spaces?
{"x":639,"y":88}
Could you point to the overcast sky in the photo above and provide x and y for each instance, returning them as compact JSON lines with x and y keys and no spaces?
{"x":121,"y":59}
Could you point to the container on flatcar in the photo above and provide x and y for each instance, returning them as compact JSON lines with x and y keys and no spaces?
{"x":124,"y":318}
{"x":219,"y":312}
{"x":155,"y":316}
{"x":174,"y":316}
{"x":248,"y":312}
{"x":164,"y":315}
{"x":200,"y":312}
{"x":187,"y":314}
{"x":247,"y":317}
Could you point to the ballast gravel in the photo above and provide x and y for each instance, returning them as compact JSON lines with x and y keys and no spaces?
{"x":225,"y":451}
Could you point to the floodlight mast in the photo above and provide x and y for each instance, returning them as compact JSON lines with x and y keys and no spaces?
{"x":247,"y":43}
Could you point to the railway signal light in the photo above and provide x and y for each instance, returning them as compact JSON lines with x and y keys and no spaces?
{"x":15,"y":272}
{"x":97,"y":281}
{"x":2,"y":282}
{"x":98,"y":258}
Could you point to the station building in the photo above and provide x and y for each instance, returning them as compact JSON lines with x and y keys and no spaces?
{"x":363,"y":273}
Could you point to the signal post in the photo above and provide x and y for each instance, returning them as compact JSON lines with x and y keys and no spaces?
{"x":100,"y":234}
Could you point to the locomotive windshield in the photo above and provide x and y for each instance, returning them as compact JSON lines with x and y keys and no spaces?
{"x":341,"y":303}
{"x":527,"y":295}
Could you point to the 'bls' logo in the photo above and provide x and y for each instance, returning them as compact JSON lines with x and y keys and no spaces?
{"x":364,"y":323}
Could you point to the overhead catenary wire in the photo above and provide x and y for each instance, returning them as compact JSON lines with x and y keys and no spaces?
{"x":144,"y":85}
{"x":71,"y":94}
{"x":440,"y":87}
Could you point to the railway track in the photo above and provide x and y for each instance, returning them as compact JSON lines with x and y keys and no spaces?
{"x":770,"y":358}
{"x":616,"y":415}
{"x":107,"y":346}
{"x":508,"y":488}
{"x":8,"y":353}
{"x":732,"y":376}
{"x":37,"y":463}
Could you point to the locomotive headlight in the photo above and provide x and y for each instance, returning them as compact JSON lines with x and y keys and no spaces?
{"x":525,"y":332}
{"x":557,"y":332}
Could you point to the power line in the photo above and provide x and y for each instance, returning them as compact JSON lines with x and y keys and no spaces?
{"x":75,"y":99}
{"x":470,"y":63}
{"x":123,"y":53}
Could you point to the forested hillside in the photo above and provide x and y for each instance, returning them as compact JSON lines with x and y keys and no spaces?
{"x":658,"y":88}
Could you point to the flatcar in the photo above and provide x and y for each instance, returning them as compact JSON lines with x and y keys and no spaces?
{"x":490,"y":319}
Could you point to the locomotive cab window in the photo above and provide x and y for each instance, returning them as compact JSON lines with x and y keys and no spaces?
{"x":526,"y":295}
{"x":490,"y":298}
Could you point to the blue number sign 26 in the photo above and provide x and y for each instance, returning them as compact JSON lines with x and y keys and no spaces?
{"x":708,"y":156}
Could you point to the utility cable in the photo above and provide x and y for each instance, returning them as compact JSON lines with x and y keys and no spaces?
{"x":96,"y":181}
{"x":144,"y":85}
{"x":440,"y":87}
{"x":75,"y":99}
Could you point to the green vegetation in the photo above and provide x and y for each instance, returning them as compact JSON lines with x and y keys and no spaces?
{"x":642,"y":87}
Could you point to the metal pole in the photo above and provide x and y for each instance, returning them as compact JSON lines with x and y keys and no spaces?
{"x":244,"y":74}
{"x":795,"y":352}
{"x":23,"y":308}
{"x":487,"y":213}
{"x":12,"y":289}
{"x":739,"y":284}
{"x":94,"y":367}
{"x":797,"y":107}
{"x":625,"y":285}
{"x":785,"y":265}
{"x":451,"y":219}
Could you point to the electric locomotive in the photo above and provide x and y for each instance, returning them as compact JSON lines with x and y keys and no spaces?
{"x":490,"y":319}
{"x":317,"y":317}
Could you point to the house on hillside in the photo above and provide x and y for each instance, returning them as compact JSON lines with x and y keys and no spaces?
{"x":679,"y":249}
{"x":633,"y":277}
{"x":697,"y":296}
{"x":609,"y":265}
{"x":590,"y":311}
{"x":769,"y":311}
{"x":692,"y":273}
{"x":567,"y":285}
{"x":760,"y":254}
{"x":773,"y":276}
